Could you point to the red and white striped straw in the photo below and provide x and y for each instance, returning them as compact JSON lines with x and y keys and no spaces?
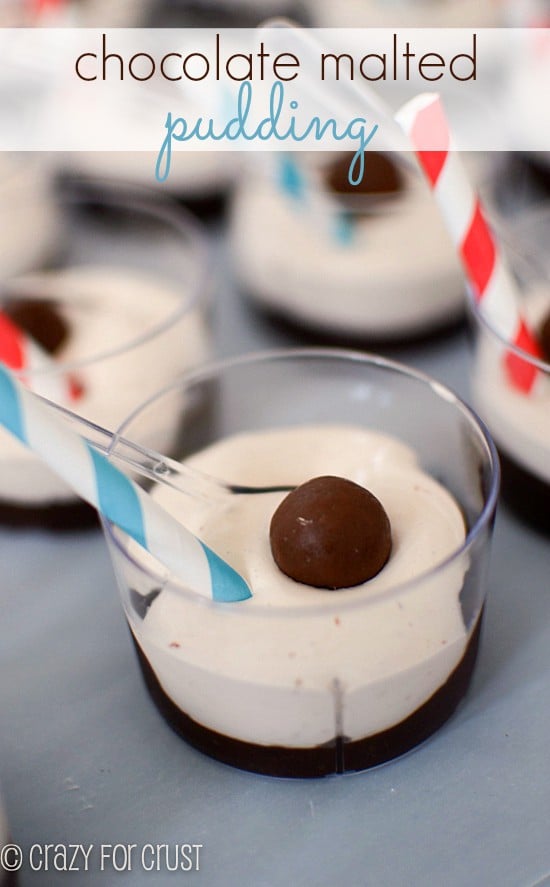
{"x":23,"y":355}
{"x":423,"y":120}
{"x":39,"y":7}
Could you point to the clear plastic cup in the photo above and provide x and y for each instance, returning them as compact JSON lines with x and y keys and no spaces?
{"x":296,"y":681}
{"x":129,"y":278}
{"x":326,"y":261}
{"x":519,"y":422}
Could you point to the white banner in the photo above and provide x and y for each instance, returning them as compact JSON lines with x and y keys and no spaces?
{"x":276,"y":88}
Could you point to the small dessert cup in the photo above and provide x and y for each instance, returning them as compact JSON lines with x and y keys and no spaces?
{"x":519,"y":421}
{"x":199,"y":179}
{"x":120,"y":309}
{"x":352,"y":265}
{"x":301,"y":681}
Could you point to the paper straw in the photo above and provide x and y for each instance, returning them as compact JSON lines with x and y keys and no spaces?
{"x":492,"y":285}
{"x":41,"y":7}
{"x":115,"y":496}
{"x":21,"y":353}
{"x":48,"y":13}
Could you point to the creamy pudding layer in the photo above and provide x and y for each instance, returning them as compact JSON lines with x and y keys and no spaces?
{"x":519,"y":423}
{"x":107,"y":308}
{"x":106,"y":14}
{"x":396,"y":275}
{"x":297,"y":666}
{"x":29,"y":221}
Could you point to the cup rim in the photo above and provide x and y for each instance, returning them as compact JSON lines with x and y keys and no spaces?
{"x":211,"y":369}
{"x":147,"y":202}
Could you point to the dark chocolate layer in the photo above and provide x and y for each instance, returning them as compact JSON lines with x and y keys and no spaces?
{"x":526,"y":494}
{"x":298,"y":331}
{"x":208,"y":207}
{"x":60,"y":518}
{"x":544,"y":337}
{"x":339,"y":756}
{"x":41,"y":319}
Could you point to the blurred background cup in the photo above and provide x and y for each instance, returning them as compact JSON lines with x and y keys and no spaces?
{"x":29,"y":214}
{"x":519,"y":421}
{"x":121,"y":306}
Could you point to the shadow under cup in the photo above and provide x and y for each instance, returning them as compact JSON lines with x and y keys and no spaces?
{"x":308,"y":689}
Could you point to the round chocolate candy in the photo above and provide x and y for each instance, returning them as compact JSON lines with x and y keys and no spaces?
{"x":39,"y":318}
{"x":330,"y":533}
{"x":380,"y":175}
{"x":544,"y":337}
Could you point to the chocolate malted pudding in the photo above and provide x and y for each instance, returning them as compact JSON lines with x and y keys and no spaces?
{"x":352,"y":649}
{"x":115,"y":333}
{"x":365,"y":262}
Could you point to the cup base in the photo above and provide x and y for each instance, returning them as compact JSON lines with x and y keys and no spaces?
{"x":310,"y":334}
{"x":525,"y":493}
{"x":66,"y":517}
{"x":338,"y":756}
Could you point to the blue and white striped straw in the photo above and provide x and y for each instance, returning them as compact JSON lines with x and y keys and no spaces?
{"x":115,"y":496}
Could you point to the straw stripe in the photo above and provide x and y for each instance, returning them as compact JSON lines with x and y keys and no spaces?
{"x":291,"y":178}
{"x":65,"y":453}
{"x":164,"y":533}
{"x":117,"y":497}
{"x":497,"y":298}
{"x":220,"y":579}
{"x":433,"y":163}
{"x":492,"y":285}
{"x":431,"y":129}
{"x":524,"y":373}
{"x":478,"y":252}
{"x":11,"y":416}
{"x":46,"y":5}
{"x":463,"y":203}
{"x":21,"y":353}
{"x":11,"y":345}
